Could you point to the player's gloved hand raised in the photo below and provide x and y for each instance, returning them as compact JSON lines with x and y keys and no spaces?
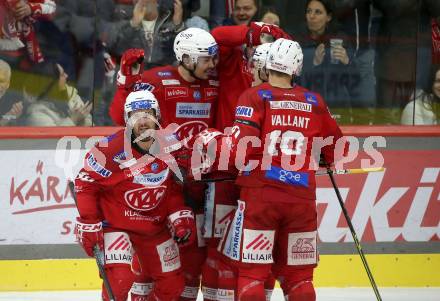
{"x":259,"y":29}
{"x":132,"y":65}
{"x":89,"y":234}
{"x":183,"y":227}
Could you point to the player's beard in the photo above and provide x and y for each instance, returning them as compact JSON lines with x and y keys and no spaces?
{"x":144,"y":134}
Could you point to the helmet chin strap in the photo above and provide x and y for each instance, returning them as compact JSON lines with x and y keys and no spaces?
{"x":191,"y":72}
{"x":265,"y":72}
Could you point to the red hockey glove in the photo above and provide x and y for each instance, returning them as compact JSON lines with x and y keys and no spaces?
{"x":89,"y":234}
{"x":183,"y":227}
{"x":256,"y":29}
{"x":132,"y":65}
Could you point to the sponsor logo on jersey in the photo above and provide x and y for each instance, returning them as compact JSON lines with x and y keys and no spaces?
{"x":154,"y":166}
{"x":138,"y":216}
{"x":193,"y":110}
{"x":151,"y":179}
{"x":197,"y":95}
{"x":98,"y":168}
{"x":215,"y":83}
{"x":169,"y":255}
{"x":143,"y":87}
{"x":164,"y":73}
{"x":145,"y":198}
{"x":224,"y":295}
{"x":170,"y":82}
{"x":265,"y":94}
{"x":118,"y":248}
{"x":223,"y":215}
{"x":258,"y":245}
{"x":291,"y":105}
{"x":189,"y":129}
{"x":176,"y":92}
{"x":302,"y":248}
{"x":233,"y":242}
{"x":120,"y":157}
{"x":311,"y":98}
{"x":242,"y":111}
{"x":211,"y":92}
{"x":289,"y":120}
{"x":287,"y":176}
{"x":85,"y":177}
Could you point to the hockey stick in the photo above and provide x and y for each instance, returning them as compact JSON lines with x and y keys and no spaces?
{"x":353,"y":233}
{"x":317,"y":173}
{"x":98,"y":254}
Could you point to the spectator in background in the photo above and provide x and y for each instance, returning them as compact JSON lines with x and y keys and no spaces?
{"x":244,"y":12}
{"x":354,"y":17}
{"x":425,"y":108}
{"x":70,"y":110}
{"x":9,"y":111}
{"x":403,"y":44}
{"x":270,"y":16}
{"x":84,"y":24}
{"x":152,"y":27}
{"x":435,"y":33}
{"x":18,"y":39}
{"x":328,"y":59}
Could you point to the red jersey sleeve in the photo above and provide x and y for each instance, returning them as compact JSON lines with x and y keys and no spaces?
{"x":175,"y":198}
{"x":116,"y":109}
{"x":230,"y":36}
{"x":249,"y":119}
{"x":97,"y":174}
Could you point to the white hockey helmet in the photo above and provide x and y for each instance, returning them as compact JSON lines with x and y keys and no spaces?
{"x":285,"y":56}
{"x":260,"y":55}
{"x":194,"y":42}
{"x":140,"y":100}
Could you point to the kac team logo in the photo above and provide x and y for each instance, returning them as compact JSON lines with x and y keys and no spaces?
{"x":145,"y":198}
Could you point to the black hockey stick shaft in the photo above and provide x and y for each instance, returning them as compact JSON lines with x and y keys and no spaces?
{"x":98,"y":254}
{"x":354,"y":235}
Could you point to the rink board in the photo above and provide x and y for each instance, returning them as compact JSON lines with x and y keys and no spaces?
{"x":396,"y":213}
{"x":390,"y":270}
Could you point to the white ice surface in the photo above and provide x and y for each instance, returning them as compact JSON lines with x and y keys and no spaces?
{"x":323,"y":294}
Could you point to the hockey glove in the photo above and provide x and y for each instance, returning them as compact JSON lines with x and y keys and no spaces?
{"x":89,"y":234}
{"x":132,"y":65}
{"x":259,"y":29}
{"x":183,"y":227}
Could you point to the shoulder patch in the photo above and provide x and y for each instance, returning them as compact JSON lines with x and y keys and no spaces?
{"x":265,"y":94}
{"x":164,"y":73}
{"x":311,"y":98}
{"x":143,"y":87}
{"x":242,"y":111}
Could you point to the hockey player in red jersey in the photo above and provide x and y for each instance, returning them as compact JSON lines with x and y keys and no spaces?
{"x":236,"y":44}
{"x":127,"y":201}
{"x":187,"y":92}
{"x":275,"y":224}
{"x":188,"y":96}
{"x":219,"y":277}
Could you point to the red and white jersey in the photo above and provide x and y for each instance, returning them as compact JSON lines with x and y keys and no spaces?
{"x":233,"y":72}
{"x":124,"y":191}
{"x":286,"y":121}
{"x":180,"y":101}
